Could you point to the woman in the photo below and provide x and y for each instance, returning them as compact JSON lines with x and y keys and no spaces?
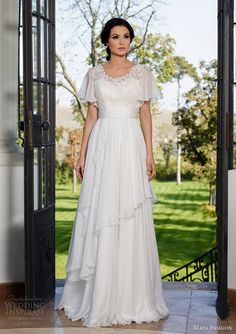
{"x":113,"y":270}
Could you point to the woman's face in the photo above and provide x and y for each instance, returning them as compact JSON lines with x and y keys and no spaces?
{"x":119,"y":40}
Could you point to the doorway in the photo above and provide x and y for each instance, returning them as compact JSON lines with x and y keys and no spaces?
{"x":37,"y":130}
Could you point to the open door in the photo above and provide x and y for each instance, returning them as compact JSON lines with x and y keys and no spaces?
{"x":38,"y":128}
{"x":224,"y":145}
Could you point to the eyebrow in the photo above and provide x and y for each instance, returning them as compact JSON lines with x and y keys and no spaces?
{"x":118,"y":34}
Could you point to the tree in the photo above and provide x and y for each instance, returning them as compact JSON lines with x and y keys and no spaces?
{"x":153,"y":49}
{"x":92,"y":16}
{"x":197,"y":121}
{"x":87,"y":19}
{"x":59,"y":133}
{"x":167,"y":147}
{"x":181,"y":69}
{"x":69,"y":84}
{"x":167,"y":139}
{"x":73,"y":148}
{"x":157,"y":53}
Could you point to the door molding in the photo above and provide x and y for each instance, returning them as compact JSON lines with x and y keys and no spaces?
{"x":224,"y":110}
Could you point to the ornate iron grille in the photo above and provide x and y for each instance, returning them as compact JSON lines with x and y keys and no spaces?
{"x":202,"y":269}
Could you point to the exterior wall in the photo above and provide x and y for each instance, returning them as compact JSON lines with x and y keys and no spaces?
{"x":11,"y":162}
{"x":232,"y":230}
{"x":11,"y":159}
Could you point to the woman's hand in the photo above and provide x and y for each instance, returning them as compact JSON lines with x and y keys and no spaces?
{"x":80,"y":168}
{"x":151,"y":168}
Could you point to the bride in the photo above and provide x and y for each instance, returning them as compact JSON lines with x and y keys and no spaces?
{"x":113,"y":270}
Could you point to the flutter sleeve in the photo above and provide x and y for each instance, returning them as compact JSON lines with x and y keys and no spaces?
{"x":149,"y":88}
{"x":87,"y":92}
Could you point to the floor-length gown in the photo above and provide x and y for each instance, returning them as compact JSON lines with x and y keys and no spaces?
{"x":113,"y":270}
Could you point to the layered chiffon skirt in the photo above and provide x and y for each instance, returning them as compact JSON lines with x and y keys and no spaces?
{"x":113,"y":270}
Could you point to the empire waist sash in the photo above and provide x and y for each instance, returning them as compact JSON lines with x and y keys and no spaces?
{"x":121,"y":112}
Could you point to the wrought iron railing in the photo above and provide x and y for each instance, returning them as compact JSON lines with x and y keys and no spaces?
{"x":202,"y":269}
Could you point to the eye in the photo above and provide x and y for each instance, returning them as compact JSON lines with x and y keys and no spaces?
{"x":115,"y":37}
{"x":126,"y":36}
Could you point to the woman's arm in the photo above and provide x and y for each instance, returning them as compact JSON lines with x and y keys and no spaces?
{"x":91,"y":118}
{"x":146,"y":126}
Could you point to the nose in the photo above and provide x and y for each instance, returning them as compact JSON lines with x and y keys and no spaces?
{"x":121,"y":41}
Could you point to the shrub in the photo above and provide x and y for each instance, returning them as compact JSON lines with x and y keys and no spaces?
{"x":64,"y":173}
{"x":169,"y":173}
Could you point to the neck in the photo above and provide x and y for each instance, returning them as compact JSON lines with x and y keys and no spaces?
{"x":116,"y":60}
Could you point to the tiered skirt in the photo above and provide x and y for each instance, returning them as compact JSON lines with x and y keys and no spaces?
{"x":113,"y":270}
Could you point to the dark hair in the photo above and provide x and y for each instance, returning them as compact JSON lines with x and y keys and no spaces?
{"x":105,"y":34}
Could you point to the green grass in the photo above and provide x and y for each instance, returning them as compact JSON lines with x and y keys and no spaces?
{"x":181,"y":231}
{"x":66,"y":204}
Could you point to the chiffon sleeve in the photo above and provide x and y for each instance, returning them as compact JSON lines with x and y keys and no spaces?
{"x":149,"y":88}
{"x":87,"y":92}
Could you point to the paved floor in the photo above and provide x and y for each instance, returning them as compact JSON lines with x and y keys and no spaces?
{"x":192,"y":308}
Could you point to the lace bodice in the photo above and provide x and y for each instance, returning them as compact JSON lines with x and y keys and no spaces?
{"x":99,"y":72}
{"x":119,"y":96}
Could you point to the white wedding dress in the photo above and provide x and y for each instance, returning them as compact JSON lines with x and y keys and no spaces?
{"x":113,"y":270}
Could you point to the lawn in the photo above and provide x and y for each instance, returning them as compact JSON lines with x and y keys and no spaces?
{"x":181,"y":231}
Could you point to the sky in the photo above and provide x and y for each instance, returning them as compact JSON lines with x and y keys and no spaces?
{"x":192,"y":23}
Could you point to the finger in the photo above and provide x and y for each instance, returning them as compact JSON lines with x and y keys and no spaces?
{"x":78,"y":174}
{"x":153,"y":174}
{"x":149,"y":175}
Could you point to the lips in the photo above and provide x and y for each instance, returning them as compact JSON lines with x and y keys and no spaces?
{"x":121,"y":48}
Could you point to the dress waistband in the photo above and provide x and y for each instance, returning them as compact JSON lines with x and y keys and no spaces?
{"x":116,"y":116}
{"x":117,"y":113}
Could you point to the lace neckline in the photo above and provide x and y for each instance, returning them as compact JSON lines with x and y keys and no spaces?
{"x":118,"y":78}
